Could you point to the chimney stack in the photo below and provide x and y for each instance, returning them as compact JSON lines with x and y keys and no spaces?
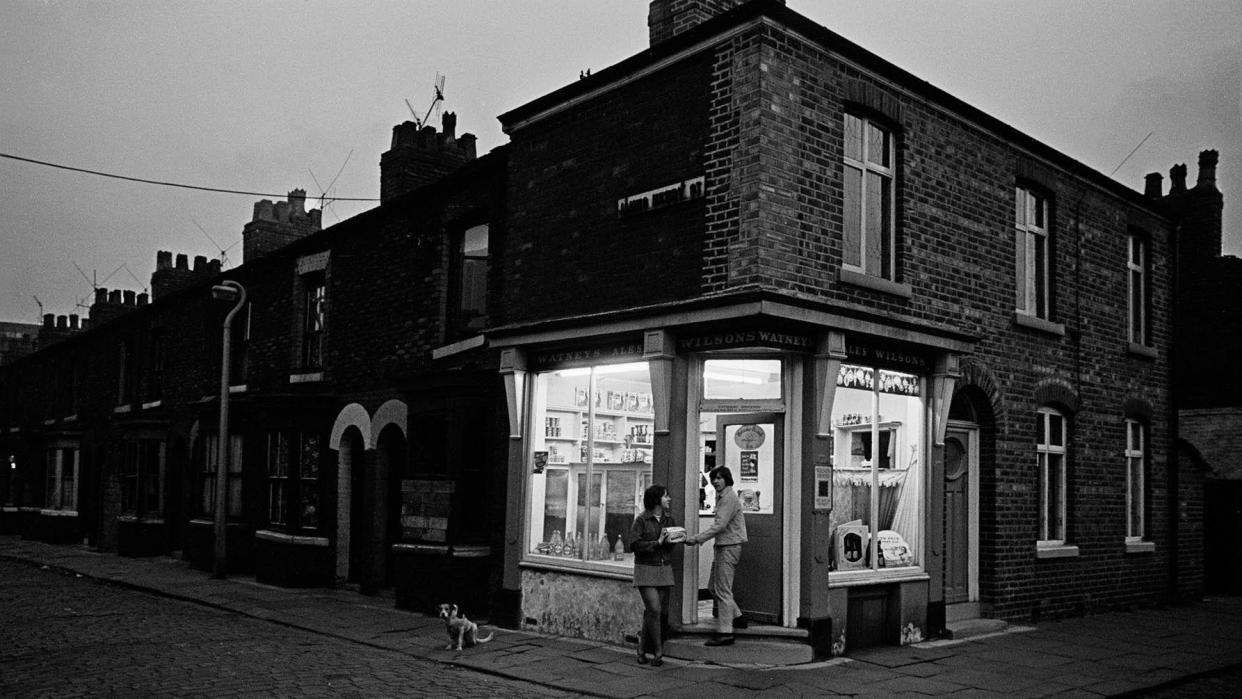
{"x":168,"y":277}
{"x":668,"y":18}
{"x":1154,"y":185}
{"x":420,"y":156}
{"x":275,"y":225}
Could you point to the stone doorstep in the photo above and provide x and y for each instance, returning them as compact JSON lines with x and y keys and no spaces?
{"x":746,"y":650}
{"x":967,"y":628}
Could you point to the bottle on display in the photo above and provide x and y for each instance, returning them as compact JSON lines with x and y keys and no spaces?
{"x":601,"y":548}
{"x":618,"y":550}
{"x":558,"y":544}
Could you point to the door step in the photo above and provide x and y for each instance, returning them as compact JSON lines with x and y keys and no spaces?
{"x":757,"y":645}
{"x":966,"y":628}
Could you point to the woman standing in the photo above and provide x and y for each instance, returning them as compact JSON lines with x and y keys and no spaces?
{"x":653,"y":570}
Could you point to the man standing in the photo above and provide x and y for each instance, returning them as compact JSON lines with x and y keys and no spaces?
{"x":729,"y":531}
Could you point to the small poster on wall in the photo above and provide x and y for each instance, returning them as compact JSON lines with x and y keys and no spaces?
{"x":540,"y":460}
{"x":823,"y":488}
{"x":749,"y":466}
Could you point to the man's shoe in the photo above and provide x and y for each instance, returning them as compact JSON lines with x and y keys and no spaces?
{"x":740,"y":623}
{"x":720,"y":641}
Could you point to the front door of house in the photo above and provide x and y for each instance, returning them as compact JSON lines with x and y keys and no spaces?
{"x":752,"y":446}
{"x":961,"y":516}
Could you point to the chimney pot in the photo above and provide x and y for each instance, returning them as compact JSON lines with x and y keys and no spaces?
{"x":49,"y":320}
{"x":1154,"y":188}
{"x":73,"y":321}
{"x":101,"y":295}
{"x":114,"y":296}
{"x":143,"y":298}
{"x":1177,"y":178}
{"x":183,"y":262}
{"x":128,"y":297}
{"x":448,"y":124}
{"x":1207,"y":168}
{"x":298,"y":199}
{"x":200,"y":263}
{"x":62,"y":322}
{"x":163,"y":259}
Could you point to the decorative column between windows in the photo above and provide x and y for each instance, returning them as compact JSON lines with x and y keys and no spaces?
{"x":657,"y":352}
{"x":948,"y":370}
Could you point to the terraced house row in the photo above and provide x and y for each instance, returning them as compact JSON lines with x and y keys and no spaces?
{"x":935,"y":353}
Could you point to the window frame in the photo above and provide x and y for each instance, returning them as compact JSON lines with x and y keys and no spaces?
{"x":207,"y":476}
{"x":464,"y":320}
{"x":62,"y":491}
{"x":1138,"y":320}
{"x":1136,"y":461}
{"x":314,"y":299}
{"x":887,"y":175}
{"x":287,"y":486}
{"x":1033,"y":277}
{"x":1047,"y":452}
{"x":143,"y":463}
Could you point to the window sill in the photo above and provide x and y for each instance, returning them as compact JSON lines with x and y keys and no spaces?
{"x":443,"y":550}
{"x":135,"y":519}
{"x":295,"y":539}
{"x":310,"y":377}
{"x":239,"y":388}
{"x":1140,"y":547}
{"x":595,"y":569}
{"x":1029,"y":321}
{"x":851,"y":578}
{"x":1144,"y":351}
{"x":1043,"y":550}
{"x":867,"y":281}
{"x":205,"y":523}
{"x":58,"y":513}
{"x":122,"y":408}
{"x":152,"y":404}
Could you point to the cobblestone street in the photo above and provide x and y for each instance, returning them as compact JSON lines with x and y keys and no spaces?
{"x":67,"y":636}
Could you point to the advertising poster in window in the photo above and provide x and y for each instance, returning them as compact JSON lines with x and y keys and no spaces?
{"x":751,"y":459}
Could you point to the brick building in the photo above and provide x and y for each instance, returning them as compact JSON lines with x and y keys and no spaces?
{"x":935,"y":353}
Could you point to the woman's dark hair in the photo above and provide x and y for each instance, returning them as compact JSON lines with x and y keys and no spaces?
{"x":723,"y":472}
{"x":652,"y":495}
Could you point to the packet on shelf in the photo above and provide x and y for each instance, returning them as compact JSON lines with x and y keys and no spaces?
{"x":675,"y":534}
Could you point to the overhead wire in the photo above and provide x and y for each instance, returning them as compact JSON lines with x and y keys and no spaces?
{"x":163,"y":183}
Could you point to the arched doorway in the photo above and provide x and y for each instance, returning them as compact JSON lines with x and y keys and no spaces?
{"x":962,"y":489}
{"x":384,"y":522}
{"x":349,"y":532}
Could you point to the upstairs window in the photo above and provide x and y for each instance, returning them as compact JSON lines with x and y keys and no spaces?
{"x":1033,"y":253}
{"x":471,"y":265}
{"x":155,"y":377}
{"x":314,"y":297}
{"x":1136,"y":269}
{"x":869,"y":246}
{"x":1051,"y":453}
{"x":126,"y":374}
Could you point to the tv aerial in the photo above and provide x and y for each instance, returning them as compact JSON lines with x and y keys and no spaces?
{"x":325,"y":199}
{"x":436,"y":99}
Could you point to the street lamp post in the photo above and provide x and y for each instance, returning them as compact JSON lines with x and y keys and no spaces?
{"x":226,"y":290}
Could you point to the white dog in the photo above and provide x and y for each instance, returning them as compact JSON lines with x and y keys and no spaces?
{"x":461,"y":631}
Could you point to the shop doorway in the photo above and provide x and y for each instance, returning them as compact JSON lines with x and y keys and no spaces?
{"x":752,"y":446}
{"x":961,"y":509}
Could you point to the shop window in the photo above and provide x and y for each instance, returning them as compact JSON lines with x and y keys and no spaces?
{"x":293,"y":488}
{"x":878,"y":470}
{"x":469,"y":274}
{"x":1137,"y":273}
{"x":62,"y":479}
{"x":868,"y":241}
{"x":1051,"y":453}
{"x":1033,"y":249}
{"x":1136,"y":481}
{"x":742,"y":379}
{"x":142,"y":478}
{"x":591,"y":461}
{"x":207,"y":475}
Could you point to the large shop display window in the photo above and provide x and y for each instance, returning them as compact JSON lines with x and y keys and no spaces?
{"x":591,"y":460}
{"x":878,"y":425}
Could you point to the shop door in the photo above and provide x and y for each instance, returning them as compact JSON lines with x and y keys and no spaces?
{"x":959,"y":496}
{"x":752,"y":446}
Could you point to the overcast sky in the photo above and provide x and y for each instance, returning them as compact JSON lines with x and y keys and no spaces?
{"x":270,"y":96}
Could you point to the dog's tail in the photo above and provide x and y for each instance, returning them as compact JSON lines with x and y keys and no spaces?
{"x":481,"y":639}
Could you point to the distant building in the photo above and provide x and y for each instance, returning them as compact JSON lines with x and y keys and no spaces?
{"x":17,"y":340}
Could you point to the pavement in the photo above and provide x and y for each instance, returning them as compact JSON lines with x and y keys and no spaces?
{"x":1110,"y":654}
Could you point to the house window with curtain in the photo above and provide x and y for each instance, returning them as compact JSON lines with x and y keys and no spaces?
{"x":142,"y":477}
{"x":868,"y":239}
{"x":314,"y":295}
{"x":1051,"y":455}
{"x":1033,"y":249}
{"x":62,"y":479}
{"x":207,"y":479}
{"x":471,"y":264}
{"x":293,"y":487}
{"x":592,"y":433}
{"x":1136,"y":481}
{"x":878,"y":419}
{"x":1136,"y":272}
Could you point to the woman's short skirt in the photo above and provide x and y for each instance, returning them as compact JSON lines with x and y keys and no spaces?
{"x":652,"y":576}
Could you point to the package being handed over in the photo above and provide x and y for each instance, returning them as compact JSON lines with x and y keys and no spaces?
{"x":675,"y":534}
